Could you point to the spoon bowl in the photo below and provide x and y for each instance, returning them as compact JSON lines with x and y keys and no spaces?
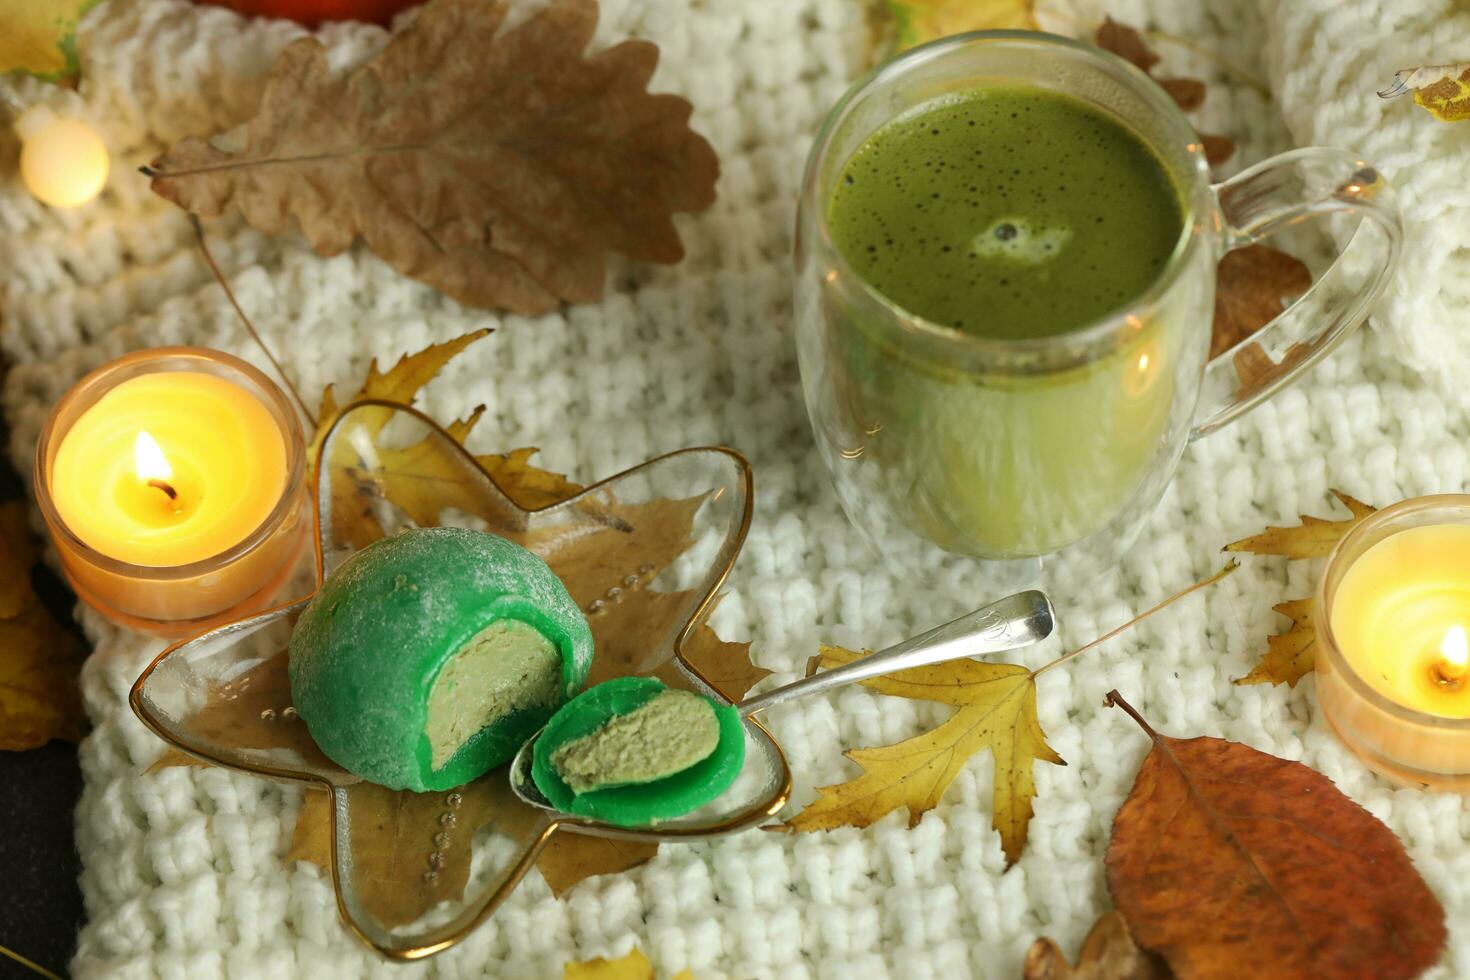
{"x":1016,"y":621}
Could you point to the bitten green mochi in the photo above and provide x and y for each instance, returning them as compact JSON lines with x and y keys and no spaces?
{"x":429,"y":657}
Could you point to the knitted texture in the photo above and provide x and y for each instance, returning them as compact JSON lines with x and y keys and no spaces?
{"x":1326,"y":59}
{"x":183,"y":869}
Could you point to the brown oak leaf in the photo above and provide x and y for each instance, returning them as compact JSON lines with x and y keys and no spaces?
{"x":1229,"y":863}
{"x":1108,"y":953}
{"x":498,"y":164}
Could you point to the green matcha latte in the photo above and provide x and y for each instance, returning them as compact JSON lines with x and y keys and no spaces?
{"x":1006,"y":212}
{"x":1020,"y":217}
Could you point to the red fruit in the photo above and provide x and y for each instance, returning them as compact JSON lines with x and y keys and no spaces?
{"x":314,"y":12}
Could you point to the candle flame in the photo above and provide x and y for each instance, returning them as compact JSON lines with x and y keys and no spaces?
{"x":148,"y":459}
{"x":1142,"y":363}
{"x":1455,"y":648}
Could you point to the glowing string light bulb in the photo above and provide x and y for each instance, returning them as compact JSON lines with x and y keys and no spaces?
{"x":63,"y":162}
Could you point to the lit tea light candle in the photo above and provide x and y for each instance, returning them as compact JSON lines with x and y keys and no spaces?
{"x":172,"y":482}
{"x":1394,"y":654}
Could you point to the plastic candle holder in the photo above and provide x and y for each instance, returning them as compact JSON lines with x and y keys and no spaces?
{"x":173,"y":483}
{"x":1393,"y":610}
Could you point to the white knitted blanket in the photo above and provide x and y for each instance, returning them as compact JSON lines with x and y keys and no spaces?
{"x":184,"y":873}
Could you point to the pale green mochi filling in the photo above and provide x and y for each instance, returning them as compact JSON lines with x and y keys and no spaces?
{"x":505,"y":668}
{"x":665,"y":735}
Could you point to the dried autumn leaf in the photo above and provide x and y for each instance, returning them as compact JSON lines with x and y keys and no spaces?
{"x":727,"y":666}
{"x":400,"y":383}
{"x":393,"y":840}
{"x":918,"y":21}
{"x":569,"y":858}
{"x":498,"y":164}
{"x":1108,"y":953}
{"x":1314,"y":537}
{"x":417,"y":477}
{"x":529,"y":486}
{"x":39,"y":657}
{"x":1255,"y":369}
{"x":995,"y":709}
{"x":1253,"y":285}
{"x":1188,"y":93}
{"x":1217,"y":148}
{"x":634,"y":966}
{"x":1230,"y":863}
{"x":1442,"y":90}
{"x":1292,"y":655}
{"x":39,"y":697}
{"x":17,"y":556}
{"x":401,"y":849}
{"x":1127,"y":43}
{"x":40,"y":36}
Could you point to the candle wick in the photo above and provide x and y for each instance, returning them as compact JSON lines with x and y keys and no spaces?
{"x":1449,"y":676}
{"x":161,"y":485}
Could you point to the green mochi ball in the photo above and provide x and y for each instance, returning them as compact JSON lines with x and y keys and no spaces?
{"x":636,"y":804}
{"x":429,"y":657}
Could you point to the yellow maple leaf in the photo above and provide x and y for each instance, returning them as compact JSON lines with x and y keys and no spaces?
{"x":918,"y":21}
{"x":417,"y":477}
{"x":400,"y":383}
{"x":1292,"y":655}
{"x":995,"y":708}
{"x":1313,"y":538}
{"x":39,"y":37}
{"x":634,"y":966}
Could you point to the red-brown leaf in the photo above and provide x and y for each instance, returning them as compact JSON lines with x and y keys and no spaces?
{"x":1231,"y":863}
{"x":1253,"y":284}
{"x":1127,"y":43}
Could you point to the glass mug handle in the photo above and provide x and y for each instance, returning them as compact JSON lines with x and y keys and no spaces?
{"x":1273,"y":195}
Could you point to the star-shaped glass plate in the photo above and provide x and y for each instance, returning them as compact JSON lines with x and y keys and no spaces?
{"x":643,"y":553}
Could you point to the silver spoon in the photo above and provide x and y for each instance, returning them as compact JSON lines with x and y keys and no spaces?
{"x":1016,"y":621}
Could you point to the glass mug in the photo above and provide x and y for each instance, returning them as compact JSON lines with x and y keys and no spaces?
{"x":1015,"y":449}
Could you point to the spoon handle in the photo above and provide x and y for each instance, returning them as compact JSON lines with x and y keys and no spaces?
{"x":1015,"y":621}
